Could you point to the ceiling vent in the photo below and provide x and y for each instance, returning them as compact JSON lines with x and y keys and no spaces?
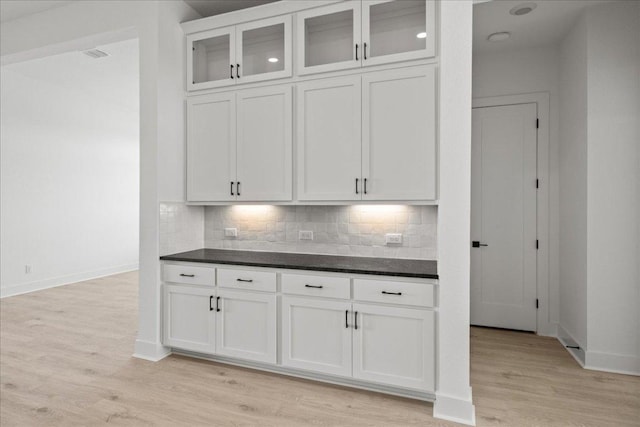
{"x":95,"y":53}
{"x":523,"y":9}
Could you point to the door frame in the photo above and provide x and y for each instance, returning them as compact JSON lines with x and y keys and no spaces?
{"x":544,"y":325}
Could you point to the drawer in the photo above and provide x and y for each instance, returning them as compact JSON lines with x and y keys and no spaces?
{"x":189,"y":274}
{"x":392,"y":292}
{"x":318,"y":286}
{"x":236,"y":278}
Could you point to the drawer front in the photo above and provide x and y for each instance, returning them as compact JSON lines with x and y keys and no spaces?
{"x":318,"y":286}
{"x":188,"y":274}
{"x":391,"y":292}
{"x":236,"y":278}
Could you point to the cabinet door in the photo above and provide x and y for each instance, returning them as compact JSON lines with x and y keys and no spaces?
{"x":211,"y":147}
{"x":316,"y":335}
{"x":247,"y":326}
{"x":189,"y":318}
{"x":397,"y":30}
{"x":264,"y":163}
{"x":394,"y":346}
{"x":211,"y":59}
{"x":329,"y":139}
{"x":329,"y":38}
{"x":399,"y":134}
{"x":263,"y":50}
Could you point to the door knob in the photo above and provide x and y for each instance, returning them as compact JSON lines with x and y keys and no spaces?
{"x":477,"y":244}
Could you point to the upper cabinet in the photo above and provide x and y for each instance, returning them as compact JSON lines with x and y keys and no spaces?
{"x":356,"y":34}
{"x":246,"y":53}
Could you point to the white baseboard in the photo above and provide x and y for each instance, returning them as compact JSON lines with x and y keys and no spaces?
{"x":610,"y":362}
{"x":454,"y":409}
{"x":566,"y":339}
{"x":23,"y":288}
{"x":151,"y":351}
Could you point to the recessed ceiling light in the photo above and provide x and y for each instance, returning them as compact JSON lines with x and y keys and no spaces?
{"x":273,"y":60}
{"x":523,"y":9}
{"x":498,"y":37}
{"x":421,"y":35}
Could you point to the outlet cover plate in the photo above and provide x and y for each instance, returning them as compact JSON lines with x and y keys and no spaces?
{"x":305,"y":235}
{"x":230,"y":232}
{"x":393,"y":238}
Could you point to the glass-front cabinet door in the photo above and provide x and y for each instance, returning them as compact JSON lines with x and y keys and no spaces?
{"x":263,"y":50}
{"x":211,"y":59}
{"x":328,"y":38}
{"x":397,"y":30}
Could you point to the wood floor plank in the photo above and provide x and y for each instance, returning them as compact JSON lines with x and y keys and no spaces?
{"x":65,"y":360}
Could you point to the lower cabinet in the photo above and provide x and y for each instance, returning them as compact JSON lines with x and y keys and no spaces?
{"x":382,"y":344}
{"x":316,"y":335}
{"x":394,"y":346}
{"x":246,"y":325}
{"x":189,"y":318}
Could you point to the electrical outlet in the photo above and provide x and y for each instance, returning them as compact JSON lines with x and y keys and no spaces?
{"x":230,"y":232}
{"x":305,"y":235}
{"x":393,"y":238}
{"x":27,"y":269}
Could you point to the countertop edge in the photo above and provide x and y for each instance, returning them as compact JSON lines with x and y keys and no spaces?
{"x":295,"y":267}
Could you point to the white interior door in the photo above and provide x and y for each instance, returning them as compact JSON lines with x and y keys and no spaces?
{"x":246,"y":325}
{"x":264,"y":164}
{"x":211,"y":147}
{"x":329,"y":139}
{"x":503,"y":217}
{"x":316,"y":335}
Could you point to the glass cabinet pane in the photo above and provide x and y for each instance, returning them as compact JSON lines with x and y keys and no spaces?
{"x":263,"y":50}
{"x":397,"y":27}
{"x":329,"y":38}
{"x":211,"y":59}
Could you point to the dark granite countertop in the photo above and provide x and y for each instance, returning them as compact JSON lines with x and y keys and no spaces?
{"x":339,"y":264}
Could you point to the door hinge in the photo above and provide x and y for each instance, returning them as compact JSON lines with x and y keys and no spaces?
{"x":537,"y":183}
{"x":537,"y":304}
{"x":537,"y":123}
{"x":537,"y":244}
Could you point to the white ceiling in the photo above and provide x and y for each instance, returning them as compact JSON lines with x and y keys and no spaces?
{"x":113,"y":79}
{"x":216,"y":7}
{"x":14,"y":9}
{"x":546,"y":25}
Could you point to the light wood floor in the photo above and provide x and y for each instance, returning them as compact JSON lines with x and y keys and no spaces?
{"x":65,"y":359}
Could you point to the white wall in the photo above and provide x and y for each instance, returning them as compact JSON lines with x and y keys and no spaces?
{"x":573,"y":184}
{"x":80,"y":24}
{"x":613,"y":207}
{"x":69,"y":169}
{"x":69,"y":186}
{"x":524,"y":71}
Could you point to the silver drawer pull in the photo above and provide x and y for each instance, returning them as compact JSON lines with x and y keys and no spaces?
{"x":187,"y":275}
{"x":313,"y":286}
{"x":244,"y":280}
{"x":391,"y":293}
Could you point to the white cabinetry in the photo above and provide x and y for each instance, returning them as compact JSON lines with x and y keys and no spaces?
{"x":316,"y":335}
{"x":394,"y":346}
{"x":372,"y":32}
{"x":246,"y":325}
{"x":189,"y":318}
{"x":239,"y":146}
{"x":369,"y":137}
{"x":245,"y":53}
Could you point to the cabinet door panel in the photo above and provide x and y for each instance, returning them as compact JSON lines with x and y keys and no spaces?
{"x":264,"y":144}
{"x":246,"y":326}
{"x":329,"y":139}
{"x":189,"y":322}
{"x":397,"y":30}
{"x":394,"y":346}
{"x":316,"y":335}
{"x":211,"y":147}
{"x":399,"y":134}
{"x":209,"y":58}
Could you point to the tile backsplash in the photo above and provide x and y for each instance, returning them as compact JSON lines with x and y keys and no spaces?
{"x":339,"y":230}
{"x":181,"y":228}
